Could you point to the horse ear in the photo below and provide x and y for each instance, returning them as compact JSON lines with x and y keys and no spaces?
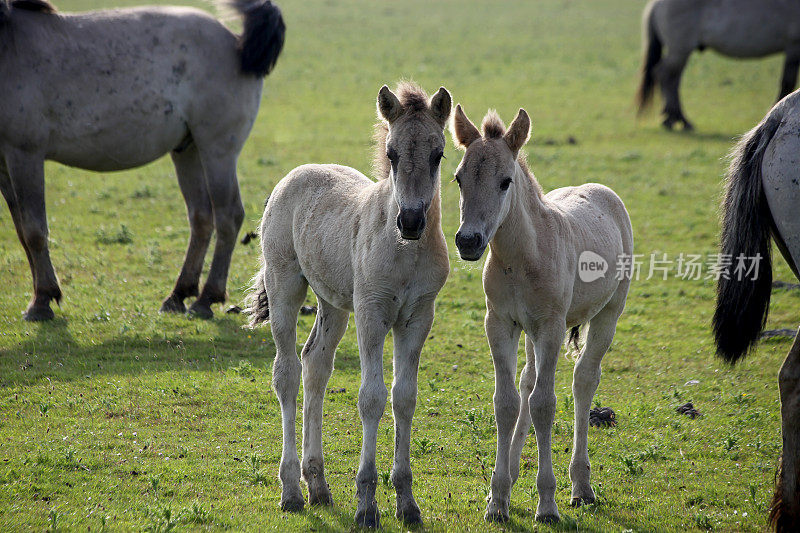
{"x":519,"y":132}
{"x":389,"y":107}
{"x":441,"y":103}
{"x":464,"y":131}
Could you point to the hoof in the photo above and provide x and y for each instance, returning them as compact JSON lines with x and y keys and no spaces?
{"x":292,"y":505}
{"x":201,"y":310}
{"x":322,"y":497}
{"x":369,"y":519}
{"x":548,"y":518}
{"x":39,"y":314}
{"x":411,"y":516}
{"x":172,"y":305}
{"x":584,"y":500}
{"x":668,"y":124}
{"x":495,"y":516}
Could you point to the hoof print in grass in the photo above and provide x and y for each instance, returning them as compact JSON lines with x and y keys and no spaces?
{"x":308,"y":310}
{"x":688,"y":410}
{"x":602,"y":417}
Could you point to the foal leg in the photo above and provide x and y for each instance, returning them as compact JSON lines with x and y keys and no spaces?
{"x":585,"y":378}
{"x":669,"y":73}
{"x":503,"y":342}
{"x":790,"y":68}
{"x":526,"y":380}
{"x":410,"y":333}
{"x":13,"y":206}
{"x":317,"y":360}
{"x":286,"y":291}
{"x":543,"y":410}
{"x":785,"y":508}
{"x":26,"y":175}
{"x":371,"y":329}
{"x":223,"y":191}
{"x":201,"y":223}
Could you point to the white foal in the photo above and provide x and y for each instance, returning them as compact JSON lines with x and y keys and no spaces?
{"x":532,"y":284}
{"x":374,"y":248}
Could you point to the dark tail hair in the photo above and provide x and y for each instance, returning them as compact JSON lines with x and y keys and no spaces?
{"x":743,"y":304}
{"x":256,"y":301}
{"x":652,"y":55}
{"x":264,"y":32}
{"x":574,"y":337}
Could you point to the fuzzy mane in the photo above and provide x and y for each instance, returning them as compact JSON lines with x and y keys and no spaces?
{"x":493,"y":127}
{"x":413,"y":100}
{"x":39,"y":6}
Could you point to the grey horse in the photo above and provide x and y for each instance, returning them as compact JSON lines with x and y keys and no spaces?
{"x":735,"y":28}
{"x":116,"y":89}
{"x":762,"y":202}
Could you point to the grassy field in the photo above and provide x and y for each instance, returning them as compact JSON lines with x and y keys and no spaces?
{"x":115,"y":417}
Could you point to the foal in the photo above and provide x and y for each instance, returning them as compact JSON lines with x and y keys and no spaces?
{"x":533,"y":283}
{"x":374,"y":248}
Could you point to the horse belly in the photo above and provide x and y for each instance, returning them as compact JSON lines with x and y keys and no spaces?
{"x":751,"y":34}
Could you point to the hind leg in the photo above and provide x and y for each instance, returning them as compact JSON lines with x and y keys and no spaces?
{"x":13,"y":206}
{"x":790,"y":68}
{"x":201,"y":223}
{"x":585,"y":379}
{"x":526,"y":380}
{"x":286,"y":288}
{"x":785,"y":508}
{"x":223,"y":191}
{"x":669,"y":72}
{"x":317,"y":362}
{"x":25,"y":180}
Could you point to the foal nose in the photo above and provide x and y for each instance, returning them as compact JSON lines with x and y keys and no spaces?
{"x":470,"y":247}
{"x":411,"y":223}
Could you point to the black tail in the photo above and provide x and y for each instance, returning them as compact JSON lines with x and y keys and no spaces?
{"x":574,"y":337}
{"x":256,"y":301}
{"x":652,"y":55}
{"x":264,"y":32}
{"x":5,"y":11}
{"x":743,"y":302}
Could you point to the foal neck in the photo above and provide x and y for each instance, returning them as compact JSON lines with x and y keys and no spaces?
{"x":518,"y":230}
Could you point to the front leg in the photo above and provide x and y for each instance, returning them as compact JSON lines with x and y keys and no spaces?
{"x":503,"y":336}
{"x":547,"y":343}
{"x":372,"y":325}
{"x":410,"y":333}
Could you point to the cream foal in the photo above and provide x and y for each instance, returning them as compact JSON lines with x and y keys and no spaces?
{"x":532,"y":284}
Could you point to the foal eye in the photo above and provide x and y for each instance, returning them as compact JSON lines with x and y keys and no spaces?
{"x":505,"y":184}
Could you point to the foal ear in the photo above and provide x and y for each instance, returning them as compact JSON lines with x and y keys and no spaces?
{"x":464,"y":131}
{"x":519,"y":132}
{"x":389,"y":107}
{"x":441,"y":103}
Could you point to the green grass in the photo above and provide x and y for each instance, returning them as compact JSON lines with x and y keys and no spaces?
{"x":115,"y":417}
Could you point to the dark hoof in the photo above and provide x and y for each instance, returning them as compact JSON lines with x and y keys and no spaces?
{"x":200,"y":310}
{"x":369,"y":519}
{"x":39,"y":314}
{"x":292,"y":505}
{"x":668,"y":123}
{"x":687,"y":126}
{"x":548,"y":518}
{"x":495,"y":516}
{"x":577,"y":502}
{"x":323,"y":498}
{"x":172,"y":305}
{"x":409,"y":517}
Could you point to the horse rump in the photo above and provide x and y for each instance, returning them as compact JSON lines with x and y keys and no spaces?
{"x":743,"y":302}
{"x":264,"y":32}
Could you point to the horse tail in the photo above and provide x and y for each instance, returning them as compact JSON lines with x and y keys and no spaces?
{"x":261,"y":41}
{"x":5,"y":11}
{"x":574,"y":337}
{"x":256,"y":303}
{"x":743,"y":302}
{"x":652,"y":48}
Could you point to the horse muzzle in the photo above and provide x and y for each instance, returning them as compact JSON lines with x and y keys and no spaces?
{"x":470,"y":247}
{"x":411,"y":223}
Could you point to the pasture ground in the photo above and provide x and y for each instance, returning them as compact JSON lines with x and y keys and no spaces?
{"x":115,"y":417}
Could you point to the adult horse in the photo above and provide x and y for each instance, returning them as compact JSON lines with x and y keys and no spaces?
{"x":537,"y":279}
{"x":762,"y":202}
{"x":735,"y":28}
{"x":374,"y":248}
{"x":113,"y":90}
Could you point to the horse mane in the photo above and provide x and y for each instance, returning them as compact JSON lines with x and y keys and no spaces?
{"x":493,"y":127}
{"x":414,"y":100}
{"x":38,"y":6}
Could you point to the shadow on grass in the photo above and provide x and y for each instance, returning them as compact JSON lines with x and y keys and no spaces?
{"x":524,"y":520}
{"x":52,"y":351}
